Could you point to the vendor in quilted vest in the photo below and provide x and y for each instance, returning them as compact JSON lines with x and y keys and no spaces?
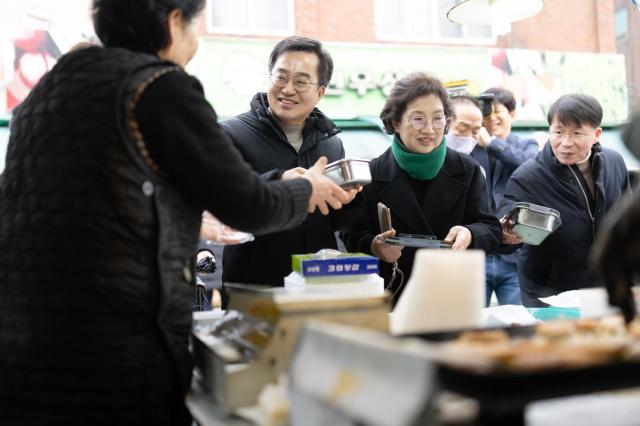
{"x":112,"y":159}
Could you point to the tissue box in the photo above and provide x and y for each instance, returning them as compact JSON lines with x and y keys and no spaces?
{"x":308,"y":265}
{"x":370,"y":283}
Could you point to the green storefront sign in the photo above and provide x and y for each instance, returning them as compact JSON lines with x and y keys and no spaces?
{"x":233,"y":71}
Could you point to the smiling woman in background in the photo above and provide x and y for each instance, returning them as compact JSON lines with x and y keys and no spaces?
{"x":430,"y":189}
{"x":100,"y":209}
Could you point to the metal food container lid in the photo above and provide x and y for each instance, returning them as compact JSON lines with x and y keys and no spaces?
{"x":533,"y":223}
{"x":349,"y":172}
{"x":345,"y":163}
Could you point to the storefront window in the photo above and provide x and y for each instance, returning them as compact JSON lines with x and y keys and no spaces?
{"x":621,"y":22}
{"x":251,"y":17}
{"x":419,"y":20}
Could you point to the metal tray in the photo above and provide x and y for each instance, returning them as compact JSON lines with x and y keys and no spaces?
{"x":418,"y":241}
{"x":349,"y":173}
{"x":533,"y":223}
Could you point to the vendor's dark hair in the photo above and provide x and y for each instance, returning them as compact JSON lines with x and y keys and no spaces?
{"x":576,"y":110}
{"x":139,"y":25}
{"x":305,"y":44}
{"x":407,"y":89}
{"x":503,"y":96}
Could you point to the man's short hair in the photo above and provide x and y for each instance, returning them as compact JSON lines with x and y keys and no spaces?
{"x":305,"y":44}
{"x":576,"y":110}
{"x":464,"y":100}
{"x":504,"y":97}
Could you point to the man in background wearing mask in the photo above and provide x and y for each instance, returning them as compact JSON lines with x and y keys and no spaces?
{"x":499,"y":154}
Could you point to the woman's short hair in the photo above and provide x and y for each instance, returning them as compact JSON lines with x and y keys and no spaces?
{"x":139,"y":25}
{"x":576,"y":110}
{"x":406,"y":90}
{"x":305,"y":44}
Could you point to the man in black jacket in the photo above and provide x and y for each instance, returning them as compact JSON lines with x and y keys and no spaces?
{"x":281,"y":136}
{"x":576,"y":176}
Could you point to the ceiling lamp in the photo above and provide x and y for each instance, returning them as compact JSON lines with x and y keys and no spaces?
{"x":499,"y":14}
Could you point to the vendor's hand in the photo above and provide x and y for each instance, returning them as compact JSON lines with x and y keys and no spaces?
{"x":325,"y":193}
{"x":508,"y":236}
{"x":484,"y":138}
{"x":212,"y":229}
{"x":460,"y":238}
{"x":296,"y":172}
{"x":386,"y":252}
{"x":209,"y":227}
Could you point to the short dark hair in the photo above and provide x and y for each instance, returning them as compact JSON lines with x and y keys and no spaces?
{"x":576,"y":110}
{"x":138,"y":25}
{"x":305,"y":44}
{"x":503,"y":96}
{"x":464,"y":100}
{"x":407,"y":89}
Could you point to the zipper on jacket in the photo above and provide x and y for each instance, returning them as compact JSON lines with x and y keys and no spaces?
{"x":586,"y":199}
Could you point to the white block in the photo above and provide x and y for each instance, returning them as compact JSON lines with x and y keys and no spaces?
{"x":446,"y":291}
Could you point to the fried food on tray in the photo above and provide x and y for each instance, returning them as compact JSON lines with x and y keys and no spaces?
{"x":554,"y":344}
{"x":555,"y":329}
{"x":484,"y":336}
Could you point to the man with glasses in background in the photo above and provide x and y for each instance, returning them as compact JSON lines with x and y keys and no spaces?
{"x":282,"y":135}
{"x":578,"y":177}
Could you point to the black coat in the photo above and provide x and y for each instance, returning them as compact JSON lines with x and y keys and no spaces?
{"x":456,"y":196}
{"x":263,"y":144}
{"x":560,"y":263}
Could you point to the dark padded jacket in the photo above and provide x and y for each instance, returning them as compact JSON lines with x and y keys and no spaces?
{"x":263,"y":144}
{"x":560,"y":263}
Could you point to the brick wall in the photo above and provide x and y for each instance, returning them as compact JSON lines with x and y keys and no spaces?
{"x":560,"y":26}
{"x":336,"y":20}
{"x":563,"y":26}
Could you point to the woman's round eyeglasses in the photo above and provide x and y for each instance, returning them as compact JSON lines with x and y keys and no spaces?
{"x":419,"y":122}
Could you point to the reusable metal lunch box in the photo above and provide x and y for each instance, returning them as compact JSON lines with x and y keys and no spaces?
{"x":349,"y":173}
{"x":533,"y":223}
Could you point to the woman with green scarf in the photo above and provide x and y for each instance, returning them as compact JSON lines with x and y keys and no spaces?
{"x":430,"y":190}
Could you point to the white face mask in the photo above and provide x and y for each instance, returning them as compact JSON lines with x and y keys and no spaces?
{"x":464,"y":144}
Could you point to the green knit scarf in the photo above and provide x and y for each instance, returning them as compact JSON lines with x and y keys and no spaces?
{"x":419,"y":166}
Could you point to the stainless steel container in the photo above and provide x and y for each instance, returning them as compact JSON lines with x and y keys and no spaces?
{"x":349,"y":173}
{"x":533,"y":223}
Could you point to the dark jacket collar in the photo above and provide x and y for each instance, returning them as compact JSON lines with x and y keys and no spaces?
{"x":316,"y":121}
{"x":398,"y":183}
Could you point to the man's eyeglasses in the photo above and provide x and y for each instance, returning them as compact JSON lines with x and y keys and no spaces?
{"x":572,"y":135}
{"x":419,"y":122}
{"x":301,"y":84}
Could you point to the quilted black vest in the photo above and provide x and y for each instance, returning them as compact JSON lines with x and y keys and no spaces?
{"x":95,"y":247}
